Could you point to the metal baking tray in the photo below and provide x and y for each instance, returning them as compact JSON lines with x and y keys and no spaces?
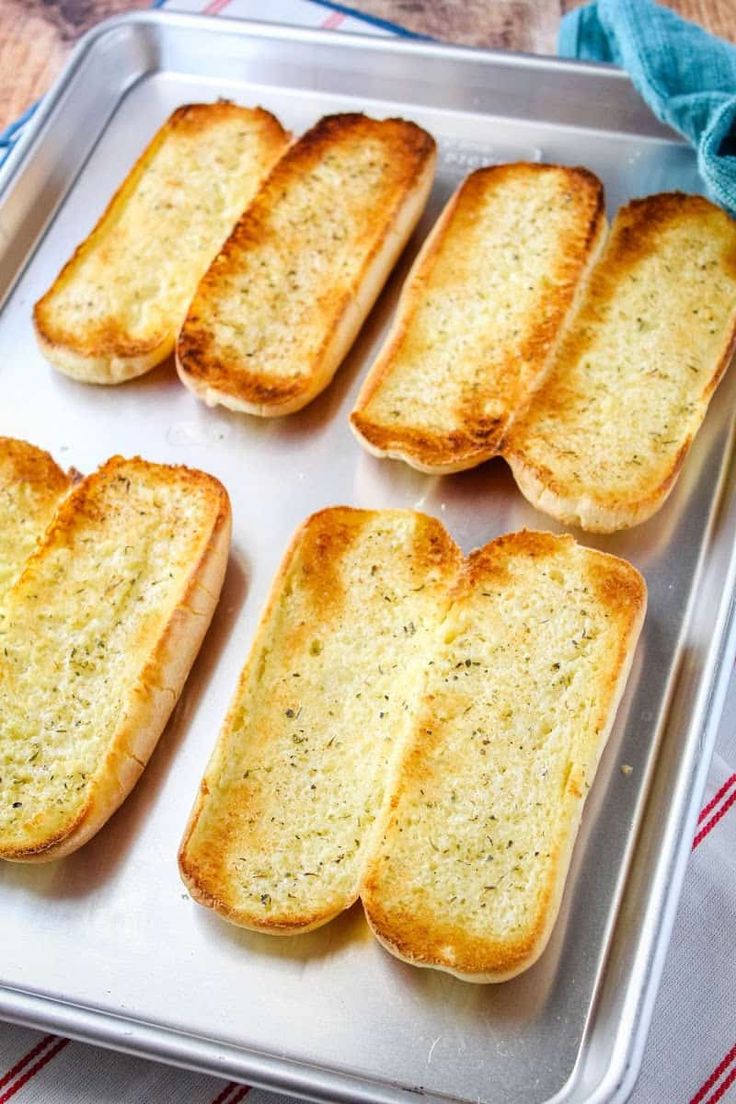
{"x":106,"y":945}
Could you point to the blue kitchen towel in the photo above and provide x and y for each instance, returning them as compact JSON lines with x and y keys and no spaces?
{"x":687,"y":76}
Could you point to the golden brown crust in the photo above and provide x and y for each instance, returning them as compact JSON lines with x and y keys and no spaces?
{"x":241,"y":377}
{"x":430,"y":942}
{"x":476,"y":434}
{"x":538,"y":484}
{"x":425,"y":934}
{"x":638,"y":233}
{"x":25,"y":463}
{"x":167,"y":661}
{"x":324,"y":541}
{"x":200,"y":881}
{"x":331,"y":529}
{"x":311,"y":568}
{"x":103,"y":351}
{"x":642,"y":221}
{"x":430,"y":939}
{"x":31,"y":488}
{"x":534,"y":544}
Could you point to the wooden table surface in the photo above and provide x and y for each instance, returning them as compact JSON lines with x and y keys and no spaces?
{"x":36,"y":35}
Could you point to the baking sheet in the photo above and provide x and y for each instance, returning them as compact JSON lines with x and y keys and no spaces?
{"x":106,"y":945}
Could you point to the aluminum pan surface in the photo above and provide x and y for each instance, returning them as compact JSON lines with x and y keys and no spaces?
{"x":110,"y":930}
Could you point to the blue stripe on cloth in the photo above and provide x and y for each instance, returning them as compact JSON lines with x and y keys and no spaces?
{"x":12,"y":133}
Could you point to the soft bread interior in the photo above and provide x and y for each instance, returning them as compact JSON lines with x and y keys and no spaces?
{"x":116,"y":307}
{"x":603,"y":441}
{"x":97,"y":637}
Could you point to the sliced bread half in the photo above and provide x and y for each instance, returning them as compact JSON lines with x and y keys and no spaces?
{"x":284,"y":300}
{"x":481,"y":315}
{"x":288,"y":807}
{"x":97,"y":636}
{"x":602,"y":443}
{"x":514,"y":712}
{"x":115,"y":309}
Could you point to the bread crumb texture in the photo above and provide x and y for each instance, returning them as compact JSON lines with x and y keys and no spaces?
{"x":290,"y":799}
{"x":128,"y":286}
{"x":481,"y":312}
{"x":77,"y":631}
{"x":420,"y":730}
{"x":515,"y":708}
{"x":603,"y":441}
{"x":267,"y":308}
{"x":31,"y":488}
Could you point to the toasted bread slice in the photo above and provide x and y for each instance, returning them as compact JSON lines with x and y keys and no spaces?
{"x":603,"y":441}
{"x":514,"y":713}
{"x":116,"y":307}
{"x":96,"y":639}
{"x":282,"y":303}
{"x":287,"y":808}
{"x":480,"y":315}
{"x":31,"y":488}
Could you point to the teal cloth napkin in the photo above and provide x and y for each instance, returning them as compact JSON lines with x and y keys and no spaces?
{"x":687,"y":76}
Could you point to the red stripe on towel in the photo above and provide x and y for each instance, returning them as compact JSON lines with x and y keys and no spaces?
{"x":33,"y":1070}
{"x":23,"y":1062}
{"x":714,"y":801}
{"x":722,"y":1088}
{"x":333,"y":21}
{"x":730,"y":800}
{"x":225,"y":1098}
{"x":714,"y":1077}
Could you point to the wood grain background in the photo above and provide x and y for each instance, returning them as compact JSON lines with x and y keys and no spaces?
{"x":36,"y":35}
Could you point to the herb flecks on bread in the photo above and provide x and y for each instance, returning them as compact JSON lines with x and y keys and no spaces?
{"x":97,"y":636}
{"x":420,"y":730}
{"x":602,"y":443}
{"x":481,"y":314}
{"x":116,"y":307}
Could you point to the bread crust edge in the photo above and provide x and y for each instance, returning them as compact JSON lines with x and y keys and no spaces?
{"x":124,"y":359}
{"x":505,"y":962}
{"x":355,"y":310}
{"x":162,"y":680}
{"x":433,"y":453}
{"x":189,"y":870}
